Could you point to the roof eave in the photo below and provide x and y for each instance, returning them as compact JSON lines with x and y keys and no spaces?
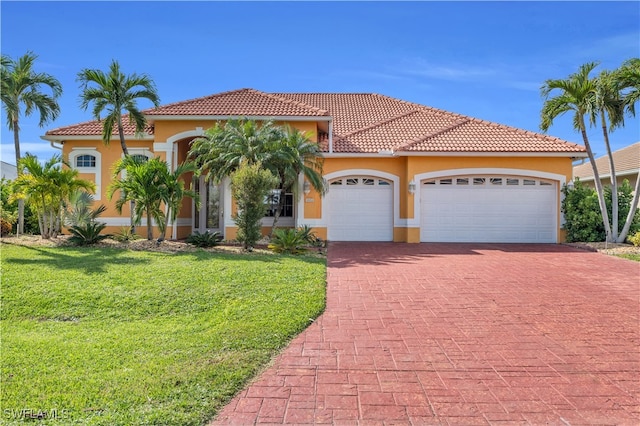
{"x":63,"y":138}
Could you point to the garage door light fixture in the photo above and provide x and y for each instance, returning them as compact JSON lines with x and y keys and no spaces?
{"x":412,"y":187}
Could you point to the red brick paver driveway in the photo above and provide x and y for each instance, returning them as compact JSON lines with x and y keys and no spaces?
{"x":460,"y":334}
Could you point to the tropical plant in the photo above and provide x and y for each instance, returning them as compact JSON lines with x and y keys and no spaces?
{"x":150,"y":184}
{"x":173,"y":192}
{"x":141,"y":184}
{"x":87,"y":233}
{"x":224,"y":147}
{"x":309,"y":236}
{"x":21,"y":86}
{"x":46,"y":188}
{"x":116,"y":93}
{"x":286,"y":152}
{"x":207,"y":239}
{"x":576,"y":94}
{"x":290,"y":241}
{"x":604,"y":100}
{"x":125,"y":235}
{"x":250,"y":184}
{"x":79,"y":211}
{"x":294,"y":154}
{"x":628,"y":79}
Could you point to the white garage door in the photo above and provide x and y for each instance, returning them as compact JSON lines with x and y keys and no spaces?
{"x":507,"y":209}
{"x":360,"y":209}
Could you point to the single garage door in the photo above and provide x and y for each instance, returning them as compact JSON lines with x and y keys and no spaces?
{"x":360,"y":209}
{"x":498,"y":209}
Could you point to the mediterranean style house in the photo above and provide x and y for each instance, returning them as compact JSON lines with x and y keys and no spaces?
{"x":395,"y":170}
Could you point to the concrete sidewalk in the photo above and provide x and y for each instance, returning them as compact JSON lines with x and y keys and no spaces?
{"x":460,"y":334}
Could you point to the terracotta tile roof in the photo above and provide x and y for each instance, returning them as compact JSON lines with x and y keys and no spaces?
{"x":625,"y":161}
{"x":94,"y":128}
{"x":362,"y":123}
{"x":243,"y":102}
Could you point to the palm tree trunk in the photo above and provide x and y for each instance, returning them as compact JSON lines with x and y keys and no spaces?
{"x":125,"y":151}
{"x":614,"y":182}
{"x":596,"y":177}
{"x":149,"y":224}
{"x":16,"y":143}
{"x":631,"y":214}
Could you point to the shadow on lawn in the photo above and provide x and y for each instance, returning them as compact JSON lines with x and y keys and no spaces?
{"x":87,"y":259}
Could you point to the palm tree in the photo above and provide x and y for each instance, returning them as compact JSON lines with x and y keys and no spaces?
{"x":609,"y":106}
{"x":224,"y":147}
{"x":47,"y":188}
{"x":295,"y":154}
{"x":173,"y":191}
{"x":628,"y":79}
{"x":116,"y":93}
{"x":21,"y":87}
{"x":140,"y":184}
{"x":577,"y":94}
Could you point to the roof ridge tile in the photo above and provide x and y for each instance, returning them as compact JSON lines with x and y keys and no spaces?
{"x":450,"y":127}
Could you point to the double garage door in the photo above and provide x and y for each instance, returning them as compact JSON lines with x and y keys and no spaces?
{"x":493,"y":209}
{"x":478,"y":208}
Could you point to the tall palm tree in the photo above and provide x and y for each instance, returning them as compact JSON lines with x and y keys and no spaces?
{"x":117,"y":94}
{"x":628,"y":79}
{"x":46,"y":188}
{"x":576,"y":94}
{"x":295,"y":154}
{"x":21,"y":86}
{"x":609,"y":107}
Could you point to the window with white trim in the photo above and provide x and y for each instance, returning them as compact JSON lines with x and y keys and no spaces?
{"x":85,"y":160}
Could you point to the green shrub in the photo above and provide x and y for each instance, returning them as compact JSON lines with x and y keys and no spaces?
{"x":309,"y":236}
{"x":250,"y":186}
{"x":291,"y":241}
{"x":583,"y":221}
{"x":635,"y":239}
{"x":208,"y":239}
{"x":125,"y":235}
{"x":87,"y":233}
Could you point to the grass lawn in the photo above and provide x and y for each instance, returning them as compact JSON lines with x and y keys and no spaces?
{"x":99,"y":336}
{"x":630,"y":256}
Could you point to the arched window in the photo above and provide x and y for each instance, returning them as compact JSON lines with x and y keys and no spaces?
{"x":85,"y":160}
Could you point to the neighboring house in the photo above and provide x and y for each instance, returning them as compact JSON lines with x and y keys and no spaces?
{"x":8,"y":171}
{"x":396,"y":170}
{"x":625,"y":160}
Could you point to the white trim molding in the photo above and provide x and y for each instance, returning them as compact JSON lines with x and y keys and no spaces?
{"x":96,"y":171}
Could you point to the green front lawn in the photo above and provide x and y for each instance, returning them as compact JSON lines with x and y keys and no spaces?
{"x":630,"y":256}
{"x":104,"y":336}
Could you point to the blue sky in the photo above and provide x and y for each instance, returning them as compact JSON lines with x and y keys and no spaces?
{"x":483,"y":59}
